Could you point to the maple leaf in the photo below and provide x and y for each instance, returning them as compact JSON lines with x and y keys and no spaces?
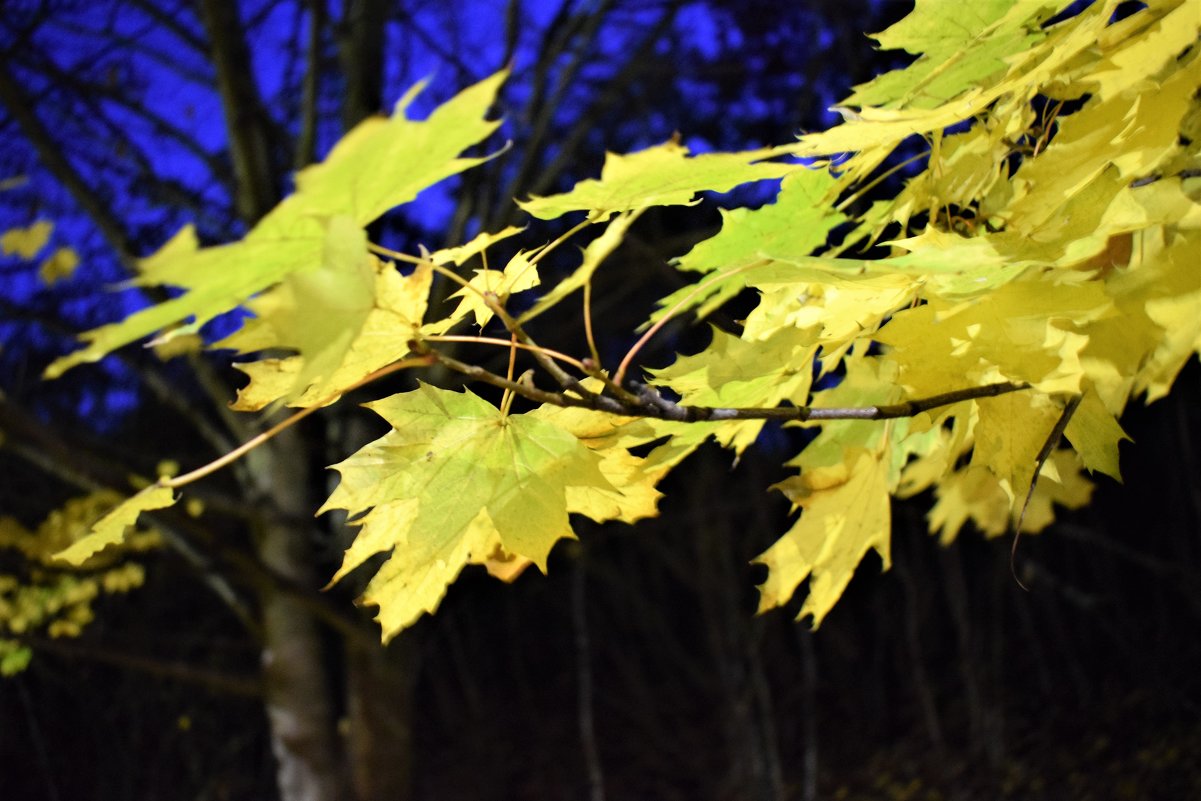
{"x":793,"y":226}
{"x":958,"y":46}
{"x":658,"y":176}
{"x":380,"y":164}
{"x":632,"y":495}
{"x":1095,"y":434}
{"x":382,"y":338}
{"x":454,"y":480}
{"x":113,"y":527}
{"x":480,"y":243}
{"x":845,"y":513}
{"x":342,"y":285}
{"x":520,"y":274}
{"x":733,"y":373}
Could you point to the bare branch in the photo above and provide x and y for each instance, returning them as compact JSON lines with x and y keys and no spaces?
{"x":56,"y":161}
{"x":251,"y":139}
{"x":306,"y":139}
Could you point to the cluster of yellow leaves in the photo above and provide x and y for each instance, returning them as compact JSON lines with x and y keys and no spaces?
{"x":1049,"y":237}
{"x":1055,"y":249}
{"x":45,"y":597}
{"x":1077,"y":272}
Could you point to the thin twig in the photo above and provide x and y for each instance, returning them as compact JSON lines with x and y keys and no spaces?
{"x":588,"y":322}
{"x":559,"y":240}
{"x":554,"y":354}
{"x":507,"y":399}
{"x":254,"y":442}
{"x":564,"y":379}
{"x":619,"y":376}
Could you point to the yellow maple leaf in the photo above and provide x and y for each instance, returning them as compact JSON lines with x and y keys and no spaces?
{"x":450,"y":483}
{"x":112,"y":528}
{"x":664,"y":175}
{"x":845,"y":513}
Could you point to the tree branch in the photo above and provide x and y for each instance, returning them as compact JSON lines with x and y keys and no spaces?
{"x":251,"y":142}
{"x":217,"y":681}
{"x":56,"y":161}
{"x":649,"y":403}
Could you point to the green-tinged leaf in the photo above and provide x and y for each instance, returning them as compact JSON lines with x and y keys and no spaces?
{"x":112,"y":528}
{"x":840,"y":300}
{"x":734,"y":373}
{"x":14,"y":657}
{"x":796,"y":224}
{"x":394,"y":320}
{"x":385,"y":162}
{"x":659,"y":176}
{"x":632,"y":495}
{"x":317,"y":312}
{"x":960,"y":46}
{"x":483,"y":241}
{"x":452,"y":481}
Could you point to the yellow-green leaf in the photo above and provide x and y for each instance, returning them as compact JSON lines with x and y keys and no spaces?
{"x":1095,"y":435}
{"x":453,"y":479}
{"x":845,"y":513}
{"x":659,"y":176}
{"x":378,"y":165}
{"x":112,"y":528}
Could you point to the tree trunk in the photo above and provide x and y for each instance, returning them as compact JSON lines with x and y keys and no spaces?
{"x":251,"y":138}
{"x":297,"y":685}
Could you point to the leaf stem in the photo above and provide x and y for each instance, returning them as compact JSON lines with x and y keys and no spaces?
{"x":619,"y":376}
{"x":876,"y":181}
{"x":507,"y":399}
{"x":570,"y":232}
{"x":564,"y":379}
{"x":438,"y":268}
{"x":588,"y":323}
{"x":254,"y":442}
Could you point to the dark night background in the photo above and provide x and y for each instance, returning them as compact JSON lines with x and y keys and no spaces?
{"x":636,"y":669}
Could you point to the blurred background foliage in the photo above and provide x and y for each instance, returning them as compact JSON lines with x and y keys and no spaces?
{"x":636,"y":668}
